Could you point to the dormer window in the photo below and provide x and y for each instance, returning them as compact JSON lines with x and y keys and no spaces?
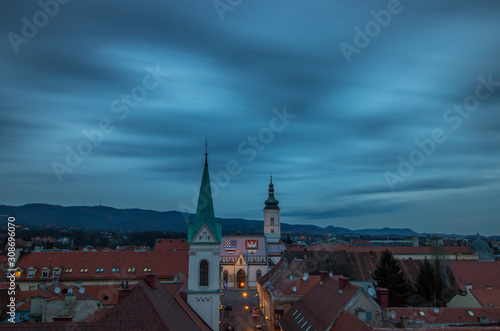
{"x":84,"y":270}
{"x":131,"y":270}
{"x":115,"y":270}
{"x":31,"y":273}
{"x":55,"y":273}
{"x":147,"y":269}
{"x":68,"y":270}
{"x":45,"y":273}
{"x":99,"y":270}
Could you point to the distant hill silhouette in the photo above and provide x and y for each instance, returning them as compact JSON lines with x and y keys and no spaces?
{"x":100,"y":217}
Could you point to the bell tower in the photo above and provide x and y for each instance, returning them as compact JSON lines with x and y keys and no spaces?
{"x":204,"y":237}
{"x":272,"y":227}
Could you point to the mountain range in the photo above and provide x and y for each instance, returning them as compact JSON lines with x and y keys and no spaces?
{"x":108,"y":218}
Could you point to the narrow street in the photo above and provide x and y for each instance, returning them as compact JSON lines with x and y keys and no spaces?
{"x":241,"y":302}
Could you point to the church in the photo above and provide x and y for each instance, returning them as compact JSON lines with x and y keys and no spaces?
{"x":243,"y":259}
{"x":217,"y":261}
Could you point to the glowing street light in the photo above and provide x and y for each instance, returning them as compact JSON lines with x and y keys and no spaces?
{"x":244,"y":294}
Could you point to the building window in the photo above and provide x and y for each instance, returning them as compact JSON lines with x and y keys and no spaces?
{"x":147,"y":269}
{"x":272,"y":230}
{"x":131,"y":270}
{"x":69,"y":270}
{"x":259,"y":273}
{"x":272,"y":220}
{"x":99,"y":270}
{"x":204,"y":273}
{"x":225,"y":275}
{"x":18,"y":273}
{"x":115,"y":270}
{"x":22,"y":316}
{"x":84,"y":270}
{"x":45,"y":273}
{"x":55,"y":273}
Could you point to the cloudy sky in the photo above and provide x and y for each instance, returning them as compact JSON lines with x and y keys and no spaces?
{"x":366,"y":113}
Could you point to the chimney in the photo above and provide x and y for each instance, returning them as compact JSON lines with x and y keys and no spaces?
{"x":468,"y":286}
{"x":343,"y":282}
{"x":383,"y":297}
{"x":123,"y":290}
{"x":414,"y":241}
{"x":404,"y":322}
{"x":151,"y":280}
{"x":323,"y":276}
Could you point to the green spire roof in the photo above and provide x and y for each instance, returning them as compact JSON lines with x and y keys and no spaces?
{"x":271,"y":202}
{"x":205,"y":209}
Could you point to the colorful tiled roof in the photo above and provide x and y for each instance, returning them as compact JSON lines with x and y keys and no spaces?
{"x":233,"y":246}
{"x":126,"y":265}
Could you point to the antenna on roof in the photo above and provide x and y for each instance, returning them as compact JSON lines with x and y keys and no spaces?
{"x":371,"y":291}
{"x":393,"y":314}
{"x":81,"y":290}
{"x":57,"y":290}
{"x":436,"y":310}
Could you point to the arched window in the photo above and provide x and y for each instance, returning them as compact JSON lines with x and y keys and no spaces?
{"x":204,"y":273}
{"x":259,"y":273}
{"x":272,"y":220}
{"x":225,"y":275}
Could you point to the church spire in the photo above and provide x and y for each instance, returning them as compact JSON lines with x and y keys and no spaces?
{"x":271,"y":202}
{"x":205,"y":208}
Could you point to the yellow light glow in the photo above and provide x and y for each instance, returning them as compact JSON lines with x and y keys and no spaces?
{"x":246,"y":307}
{"x":244,"y":294}
{"x":242,"y":284}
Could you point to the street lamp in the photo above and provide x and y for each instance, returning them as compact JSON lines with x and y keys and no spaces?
{"x":244,"y":294}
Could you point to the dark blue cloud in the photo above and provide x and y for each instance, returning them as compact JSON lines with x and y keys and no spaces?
{"x":351,"y":121}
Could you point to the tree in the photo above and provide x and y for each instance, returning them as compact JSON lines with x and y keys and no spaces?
{"x":429,"y":283}
{"x":388,"y":274}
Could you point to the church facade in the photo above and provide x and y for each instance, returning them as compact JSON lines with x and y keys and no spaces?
{"x":243,"y":259}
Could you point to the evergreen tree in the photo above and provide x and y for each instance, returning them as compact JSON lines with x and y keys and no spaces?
{"x":388,"y":274}
{"x":429,"y":283}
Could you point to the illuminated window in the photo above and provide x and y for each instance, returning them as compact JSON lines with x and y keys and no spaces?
{"x":470,"y":312}
{"x":131,"y":270}
{"x":147,"y":269}
{"x":69,"y":270}
{"x":115,"y":270}
{"x":84,"y":270}
{"x":204,"y":273}
{"x":99,"y":270}
{"x":18,"y":273}
{"x":422,"y":313}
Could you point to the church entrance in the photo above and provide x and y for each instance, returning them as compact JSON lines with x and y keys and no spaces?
{"x":241,"y":278}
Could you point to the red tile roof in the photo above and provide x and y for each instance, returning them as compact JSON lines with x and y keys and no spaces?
{"x":165,"y":264}
{"x":427,"y":250}
{"x":170,"y":245}
{"x":487,"y":297}
{"x":346,"y":321}
{"x":280,"y":283}
{"x":144,"y":308}
{"x":319,"y":307}
{"x":446,"y":315}
{"x":478,"y":273}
